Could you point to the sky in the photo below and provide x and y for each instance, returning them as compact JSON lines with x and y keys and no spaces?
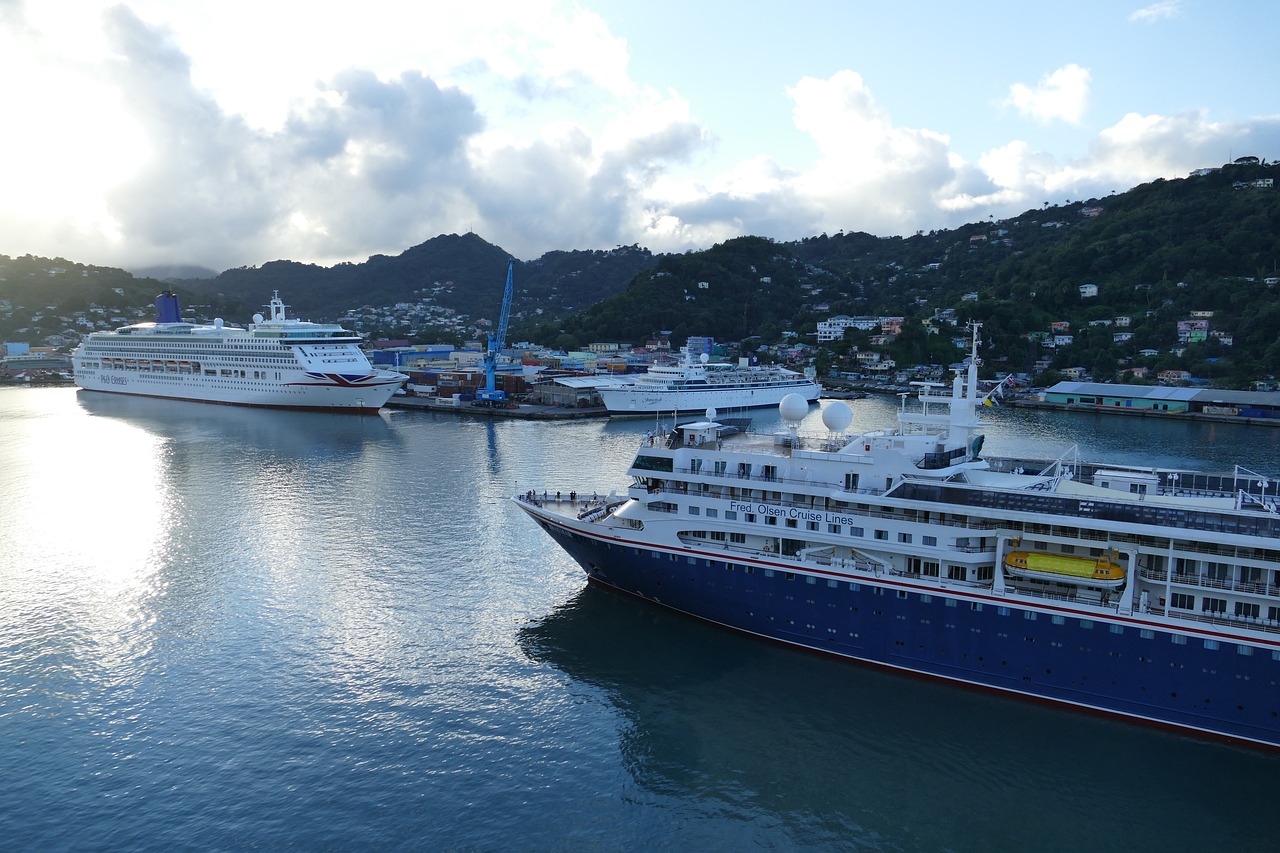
{"x":228,"y":133}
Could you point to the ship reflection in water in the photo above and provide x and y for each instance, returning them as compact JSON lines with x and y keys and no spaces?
{"x":847,"y":757}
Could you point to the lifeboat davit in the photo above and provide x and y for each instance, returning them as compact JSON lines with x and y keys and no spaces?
{"x":1103,"y":572}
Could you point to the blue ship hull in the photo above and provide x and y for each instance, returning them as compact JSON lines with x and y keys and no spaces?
{"x":1128,"y":667}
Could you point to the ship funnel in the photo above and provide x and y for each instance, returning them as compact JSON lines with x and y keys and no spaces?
{"x":167,"y":310}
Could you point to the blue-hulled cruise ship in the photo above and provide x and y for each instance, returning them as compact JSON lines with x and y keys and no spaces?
{"x":1145,"y":593}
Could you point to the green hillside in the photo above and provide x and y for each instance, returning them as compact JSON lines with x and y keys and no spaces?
{"x":1156,"y":254}
{"x":1205,"y":246}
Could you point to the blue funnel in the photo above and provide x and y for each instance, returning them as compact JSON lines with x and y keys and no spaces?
{"x":167,"y":310}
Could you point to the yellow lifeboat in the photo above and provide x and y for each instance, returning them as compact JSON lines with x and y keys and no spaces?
{"x":1102,"y":572}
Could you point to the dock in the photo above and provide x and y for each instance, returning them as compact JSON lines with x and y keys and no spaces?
{"x":521,"y":411}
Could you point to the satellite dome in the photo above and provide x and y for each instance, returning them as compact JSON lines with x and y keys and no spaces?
{"x":793,"y":408}
{"x":711,"y":413}
{"x":257,"y":318}
{"x":704,"y":358}
{"x":837,"y":416}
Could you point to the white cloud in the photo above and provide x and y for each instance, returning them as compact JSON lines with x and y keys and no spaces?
{"x":1062,"y":95}
{"x":1162,"y":11}
{"x":138,"y":158}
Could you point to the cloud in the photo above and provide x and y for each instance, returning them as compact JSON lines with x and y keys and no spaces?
{"x":1062,"y":95}
{"x":1162,"y":11}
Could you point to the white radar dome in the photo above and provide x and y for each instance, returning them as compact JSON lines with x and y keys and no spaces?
{"x":837,"y":416}
{"x":257,"y":318}
{"x":793,"y":408}
{"x":711,"y":413}
{"x":704,"y":358}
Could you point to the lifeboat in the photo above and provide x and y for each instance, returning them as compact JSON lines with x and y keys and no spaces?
{"x":1103,"y":572}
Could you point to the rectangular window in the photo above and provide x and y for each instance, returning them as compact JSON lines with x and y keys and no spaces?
{"x":1211,"y":644}
{"x":833,"y":528}
{"x":730,"y":515}
{"x":882,"y":534}
{"x":904,"y":538}
{"x":1247,"y":610}
{"x":855,"y":531}
{"x":1182,"y":601}
{"x":930,"y":540}
{"x":712,"y":513}
{"x":693,"y":510}
{"x":1244,"y":650}
{"x":1213,"y":605}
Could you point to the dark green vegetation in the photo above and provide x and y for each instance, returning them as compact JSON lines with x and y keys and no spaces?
{"x":1156,"y":253}
{"x":463,"y":273}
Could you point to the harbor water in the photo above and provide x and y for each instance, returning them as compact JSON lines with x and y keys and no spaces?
{"x":226,"y":628}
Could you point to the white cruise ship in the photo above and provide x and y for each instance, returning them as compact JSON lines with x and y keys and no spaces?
{"x":694,"y":385}
{"x":277,"y":362}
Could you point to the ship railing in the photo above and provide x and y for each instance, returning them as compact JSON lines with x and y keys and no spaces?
{"x":1225,"y":584}
{"x":1255,"y":622}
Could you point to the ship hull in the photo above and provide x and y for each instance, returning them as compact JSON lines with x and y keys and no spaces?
{"x":356,"y":395}
{"x":1133,"y":667}
{"x":625,"y":401}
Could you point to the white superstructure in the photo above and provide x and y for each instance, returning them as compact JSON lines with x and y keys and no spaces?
{"x":695,"y":385}
{"x":276,"y":362}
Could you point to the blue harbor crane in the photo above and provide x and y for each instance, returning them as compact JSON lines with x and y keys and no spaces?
{"x":489,"y":395}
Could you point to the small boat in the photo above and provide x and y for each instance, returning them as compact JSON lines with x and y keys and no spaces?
{"x":1102,"y":572}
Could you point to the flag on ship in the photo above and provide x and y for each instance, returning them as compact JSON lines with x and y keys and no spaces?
{"x":996,"y":394}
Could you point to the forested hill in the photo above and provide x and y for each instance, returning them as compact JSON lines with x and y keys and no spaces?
{"x":460,"y":272}
{"x":1156,"y":254}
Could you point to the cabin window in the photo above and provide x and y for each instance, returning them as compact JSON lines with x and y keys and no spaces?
{"x":812,"y":525}
{"x":1244,"y":650}
{"x":1182,"y":601}
{"x":833,"y":528}
{"x":882,"y":534}
{"x":956,"y":573}
{"x":1213,"y":605}
{"x":730,"y":515}
{"x":693,"y":510}
{"x":929,"y":540}
{"x":738,"y":538}
{"x":1178,"y":639}
{"x":904,"y":538}
{"x":712,"y":513}
{"x":851,"y":482}
{"x":986,"y":573}
{"x":1247,"y":609}
{"x":1212,"y":645}
{"x":1117,"y":629}
{"x":855,"y":531}
{"x":773,"y":519}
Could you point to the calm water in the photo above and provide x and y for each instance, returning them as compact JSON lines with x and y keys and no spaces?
{"x":223,"y":629}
